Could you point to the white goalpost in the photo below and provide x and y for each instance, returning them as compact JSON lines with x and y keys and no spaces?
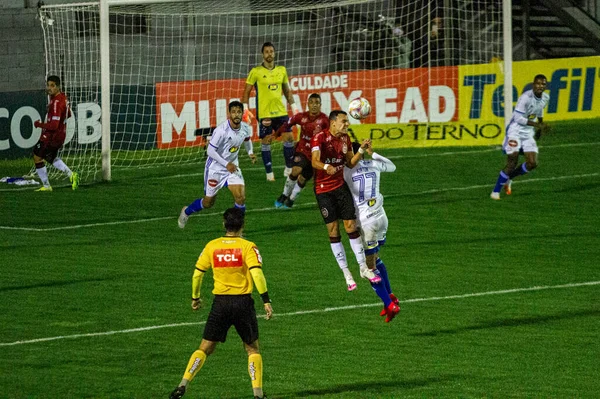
{"x":147,"y":80}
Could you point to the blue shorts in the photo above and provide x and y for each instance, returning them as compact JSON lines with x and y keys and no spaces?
{"x":268,"y":125}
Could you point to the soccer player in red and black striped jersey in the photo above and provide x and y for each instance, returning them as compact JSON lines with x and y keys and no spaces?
{"x":236,"y":264}
{"x":54,"y":132}
{"x":331,"y":151}
{"x":311,"y":122}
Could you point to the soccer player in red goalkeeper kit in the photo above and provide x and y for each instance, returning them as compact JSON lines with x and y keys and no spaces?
{"x":54,"y":132}
{"x":331,"y":151}
{"x":236,"y":264}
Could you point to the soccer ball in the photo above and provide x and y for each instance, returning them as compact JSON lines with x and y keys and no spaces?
{"x":359,"y":108}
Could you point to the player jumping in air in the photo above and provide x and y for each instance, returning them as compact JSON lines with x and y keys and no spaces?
{"x":331,"y":151}
{"x":363,"y":181}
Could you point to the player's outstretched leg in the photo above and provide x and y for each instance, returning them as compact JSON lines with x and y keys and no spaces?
{"x":186,"y":211}
{"x":290,"y":182}
{"x":502,"y":179}
{"x":340,"y":256}
{"x":194,"y":365}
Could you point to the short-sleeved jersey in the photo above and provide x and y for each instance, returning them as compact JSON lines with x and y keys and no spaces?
{"x":227,"y":142}
{"x":363,"y":181}
{"x":310,"y":125}
{"x":58,"y":110}
{"x":531,"y":108}
{"x":231,"y":259}
{"x":268,"y":84}
{"x":333,"y":152}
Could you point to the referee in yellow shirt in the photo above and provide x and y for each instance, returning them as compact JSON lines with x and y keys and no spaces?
{"x":236,"y":263}
{"x":270,"y":81}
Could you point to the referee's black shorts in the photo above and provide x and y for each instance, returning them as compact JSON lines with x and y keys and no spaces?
{"x":232,"y":310}
{"x":336,"y":204}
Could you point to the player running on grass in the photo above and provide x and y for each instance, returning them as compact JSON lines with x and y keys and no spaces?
{"x":525,"y":127}
{"x":363,"y":181}
{"x":54,"y":132}
{"x":222,"y":165}
{"x":311,"y":122}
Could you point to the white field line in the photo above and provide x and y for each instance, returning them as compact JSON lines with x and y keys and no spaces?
{"x":439,"y":154}
{"x":313,"y":311}
{"x":207,"y":214}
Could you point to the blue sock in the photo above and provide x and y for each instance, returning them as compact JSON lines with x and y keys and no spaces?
{"x":288,"y":153}
{"x":502,"y":179}
{"x":242,"y":207}
{"x":266,"y":157}
{"x":384,"y":275}
{"x":382,"y":293}
{"x":519,"y":170}
{"x":195,"y":206}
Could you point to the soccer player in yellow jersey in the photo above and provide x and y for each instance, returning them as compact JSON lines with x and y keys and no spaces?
{"x":270,"y":81}
{"x":236,"y":264}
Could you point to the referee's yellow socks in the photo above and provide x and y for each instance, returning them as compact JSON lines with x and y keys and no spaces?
{"x":194,"y":365}
{"x":255,"y":369}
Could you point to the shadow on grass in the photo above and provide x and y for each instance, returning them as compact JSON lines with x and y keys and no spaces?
{"x":496,"y":238}
{"x":514,"y":322}
{"x":64,"y":283}
{"x":362,"y":388}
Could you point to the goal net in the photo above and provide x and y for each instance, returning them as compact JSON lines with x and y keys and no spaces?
{"x":175,"y":65}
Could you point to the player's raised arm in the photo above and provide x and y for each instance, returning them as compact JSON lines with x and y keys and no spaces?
{"x":352,"y":158}
{"x":385,"y":165}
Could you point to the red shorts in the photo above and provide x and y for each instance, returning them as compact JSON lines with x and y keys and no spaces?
{"x":48,"y":145}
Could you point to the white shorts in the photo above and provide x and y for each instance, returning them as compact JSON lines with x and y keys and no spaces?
{"x":373,"y":233}
{"x":216,"y":179}
{"x":515,"y":142}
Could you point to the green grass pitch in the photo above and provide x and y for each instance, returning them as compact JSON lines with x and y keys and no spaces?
{"x":499,"y":298}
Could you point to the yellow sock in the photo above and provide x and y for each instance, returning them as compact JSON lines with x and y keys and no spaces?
{"x":194,"y":365}
{"x":255,"y":369}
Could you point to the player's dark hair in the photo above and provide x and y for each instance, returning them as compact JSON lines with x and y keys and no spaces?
{"x":540,"y":76}
{"x":315,"y":95}
{"x":233,"y":219}
{"x":53,"y":78}
{"x":236,"y":104}
{"x":355,"y":146}
{"x":267,"y":44}
{"x":334,"y":114}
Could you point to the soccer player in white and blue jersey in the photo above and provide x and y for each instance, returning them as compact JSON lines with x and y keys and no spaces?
{"x":525,"y":126}
{"x":364,"y":182}
{"x":222,"y":166}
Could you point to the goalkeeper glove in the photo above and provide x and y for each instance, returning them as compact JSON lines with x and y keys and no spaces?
{"x":248,"y":116}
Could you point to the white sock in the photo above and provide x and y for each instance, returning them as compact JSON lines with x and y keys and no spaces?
{"x":295,"y":192}
{"x":43,"y":174}
{"x":340,"y":255}
{"x":60,"y":165}
{"x":359,"y":251}
{"x":289,"y":185}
